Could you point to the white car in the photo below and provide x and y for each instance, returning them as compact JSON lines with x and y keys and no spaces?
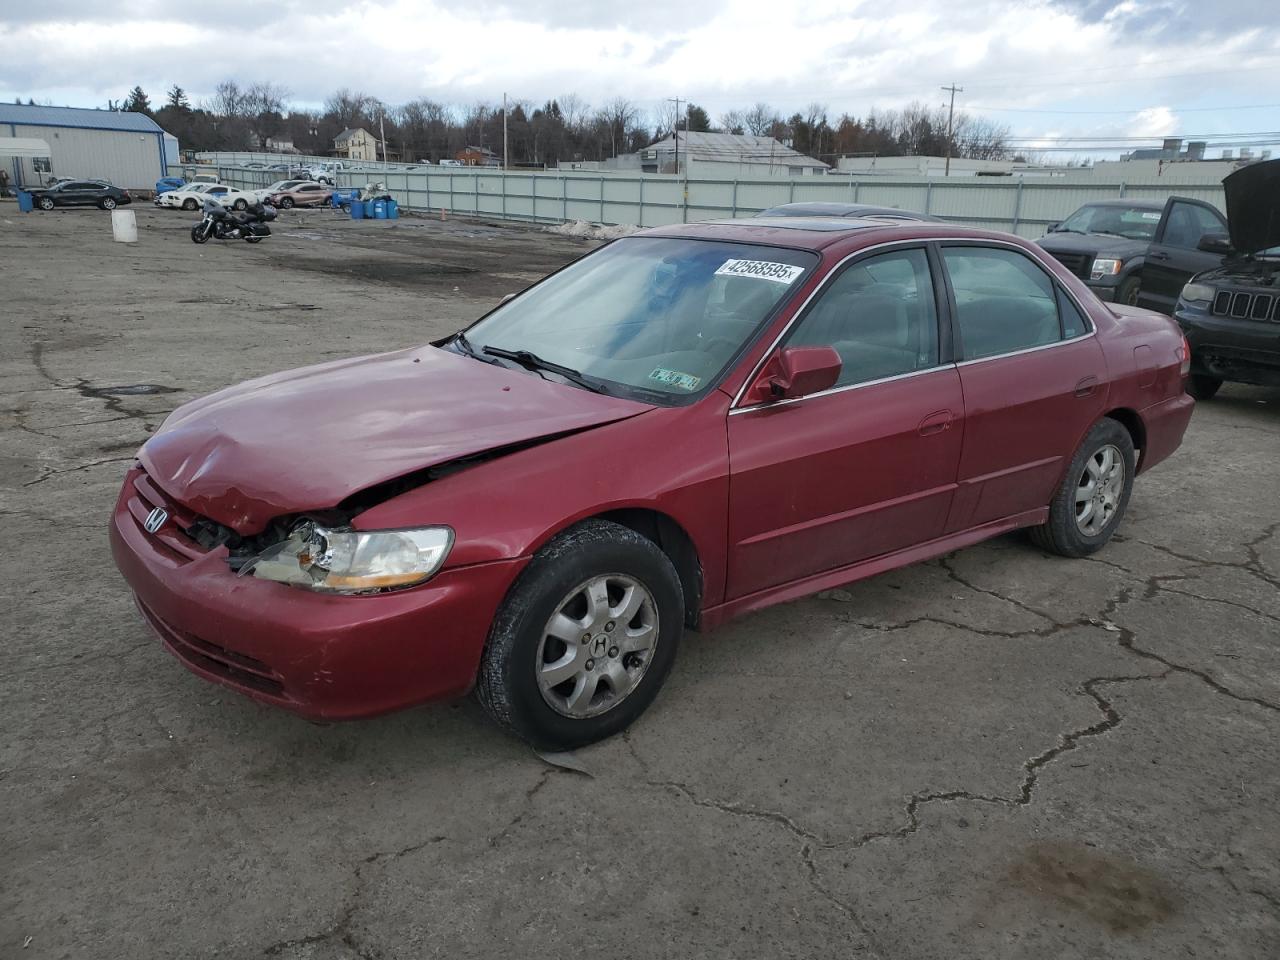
{"x":193,"y":195}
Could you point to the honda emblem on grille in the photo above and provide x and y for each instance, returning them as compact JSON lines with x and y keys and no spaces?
{"x":155,"y":520}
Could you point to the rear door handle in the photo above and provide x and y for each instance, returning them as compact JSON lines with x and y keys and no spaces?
{"x":1086,"y":387}
{"x":936,"y":422}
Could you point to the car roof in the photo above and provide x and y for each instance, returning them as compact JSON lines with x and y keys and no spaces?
{"x":1127,"y":204}
{"x":817,"y":233}
{"x":822,"y":208}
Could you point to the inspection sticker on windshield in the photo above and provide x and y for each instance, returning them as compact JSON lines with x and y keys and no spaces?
{"x":1152,"y":215}
{"x":763,"y":269}
{"x":685,"y":381}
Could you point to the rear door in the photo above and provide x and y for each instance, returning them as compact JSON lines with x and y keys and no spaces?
{"x":864,"y":468}
{"x":1033,"y":375}
{"x":77,"y":193}
{"x":1173,"y":258}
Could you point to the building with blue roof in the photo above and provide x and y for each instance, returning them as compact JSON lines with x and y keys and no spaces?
{"x":128,"y":149}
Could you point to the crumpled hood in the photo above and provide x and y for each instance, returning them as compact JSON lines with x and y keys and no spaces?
{"x":306,"y":439}
{"x":1253,"y":206}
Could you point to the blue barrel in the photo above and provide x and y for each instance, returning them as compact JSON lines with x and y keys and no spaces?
{"x":357,"y":210}
{"x":393,"y":210}
{"x":379,"y":209}
{"x":25,"y":203}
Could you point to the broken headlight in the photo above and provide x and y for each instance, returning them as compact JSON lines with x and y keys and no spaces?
{"x":353,"y":561}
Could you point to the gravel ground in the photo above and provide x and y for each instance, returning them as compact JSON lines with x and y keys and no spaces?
{"x":999,"y":754}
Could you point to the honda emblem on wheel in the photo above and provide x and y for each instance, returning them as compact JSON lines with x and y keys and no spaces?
{"x":155,"y":520}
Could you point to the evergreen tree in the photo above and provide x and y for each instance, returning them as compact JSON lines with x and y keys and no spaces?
{"x":177,"y":98}
{"x":136,"y":102}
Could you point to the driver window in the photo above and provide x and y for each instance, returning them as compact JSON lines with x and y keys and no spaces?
{"x":1188,"y":222}
{"x":880,"y":316}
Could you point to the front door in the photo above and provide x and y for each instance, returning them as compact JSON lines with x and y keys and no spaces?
{"x":1033,"y":378}
{"x":1173,"y":258}
{"x":866,"y":467}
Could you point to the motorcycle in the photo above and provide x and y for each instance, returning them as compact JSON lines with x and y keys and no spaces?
{"x":219,"y":223}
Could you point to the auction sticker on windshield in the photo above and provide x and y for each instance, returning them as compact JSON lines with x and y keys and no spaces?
{"x":760,"y":269}
{"x":685,"y":381}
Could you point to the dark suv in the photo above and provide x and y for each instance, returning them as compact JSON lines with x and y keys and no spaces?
{"x":80,"y":193}
{"x":1139,"y":252}
{"x":1231,"y":314}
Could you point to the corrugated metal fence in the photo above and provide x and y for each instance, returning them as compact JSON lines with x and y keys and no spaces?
{"x":1022,"y":206}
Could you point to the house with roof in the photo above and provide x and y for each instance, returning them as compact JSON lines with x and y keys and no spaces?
{"x":356,"y":143}
{"x":128,"y":149}
{"x":762,"y":156}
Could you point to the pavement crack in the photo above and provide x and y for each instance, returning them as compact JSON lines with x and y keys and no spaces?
{"x":49,"y":474}
{"x":529,"y":794}
{"x":945,"y":564}
{"x":741,"y":810}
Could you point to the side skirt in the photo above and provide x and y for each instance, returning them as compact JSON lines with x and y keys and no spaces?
{"x":713,"y":617}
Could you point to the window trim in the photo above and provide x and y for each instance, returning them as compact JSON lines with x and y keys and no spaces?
{"x":934,"y":244}
{"x":1166,"y":216}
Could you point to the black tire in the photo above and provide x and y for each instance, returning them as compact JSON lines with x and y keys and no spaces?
{"x":1203,"y":387}
{"x":188,"y":204}
{"x":346,"y":208}
{"x":107,"y":203}
{"x":1061,"y":534}
{"x":286,"y":202}
{"x":507,"y":684}
{"x":240,"y":204}
{"x":45,"y":203}
{"x":1129,"y":289}
{"x":198,"y":235}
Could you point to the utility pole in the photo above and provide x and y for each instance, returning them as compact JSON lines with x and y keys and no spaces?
{"x":505,"y":156}
{"x":675,"y":130}
{"x":382,"y":132}
{"x":950,"y":116}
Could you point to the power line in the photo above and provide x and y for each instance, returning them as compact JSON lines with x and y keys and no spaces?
{"x":1101,"y":113}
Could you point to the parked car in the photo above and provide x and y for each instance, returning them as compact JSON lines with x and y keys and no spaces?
{"x":1138,"y":252}
{"x":309,"y":194}
{"x":844,"y":210}
{"x":80,"y":193}
{"x":279,"y":186}
{"x":1231,"y":314}
{"x":165,"y":184}
{"x":193,"y":196}
{"x":680,"y":427}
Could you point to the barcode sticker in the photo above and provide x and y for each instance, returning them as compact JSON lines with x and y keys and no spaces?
{"x":760,"y":269}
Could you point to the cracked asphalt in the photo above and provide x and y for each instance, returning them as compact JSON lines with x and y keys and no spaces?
{"x":1000,"y":754}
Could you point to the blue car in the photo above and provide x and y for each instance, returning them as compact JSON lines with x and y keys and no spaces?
{"x":165,"y":184}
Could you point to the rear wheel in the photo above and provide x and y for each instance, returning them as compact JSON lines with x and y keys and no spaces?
{"x":1088,"y":506}
{"x":1202,"y":387}
{"x":107,"y":203}
{"x":1129,"y":290}
{"x":585,"y":638}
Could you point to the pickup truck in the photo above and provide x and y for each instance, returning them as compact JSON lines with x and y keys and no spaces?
{"x":1139,"y":252}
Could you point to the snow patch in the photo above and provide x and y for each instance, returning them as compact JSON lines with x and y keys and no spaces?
{"x":592,"y":231}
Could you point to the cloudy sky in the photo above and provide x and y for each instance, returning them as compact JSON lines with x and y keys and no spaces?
{"x":1047,"y":68}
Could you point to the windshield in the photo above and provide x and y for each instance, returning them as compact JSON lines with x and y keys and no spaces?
{"x":656,"y":317}
{"x":1136,"y":223}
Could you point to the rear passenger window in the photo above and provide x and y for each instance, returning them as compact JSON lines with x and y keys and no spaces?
{"x":880,"y":316}
{"x":1004,"y":301}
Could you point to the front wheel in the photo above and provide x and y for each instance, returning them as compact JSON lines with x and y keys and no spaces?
{"x":46,"y":203}
{"x":286,"y":202}
{"x":1203,"y":388}
{"x":188,"y":204}
{"x":585,"y":639}
{"x":1129,"y":290}
{"x":1087,"y":507}
{"x":240,"y":204}
{"x":199,"y":234}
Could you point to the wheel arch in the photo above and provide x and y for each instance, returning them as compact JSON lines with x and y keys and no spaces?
{"x":1132,"y":421}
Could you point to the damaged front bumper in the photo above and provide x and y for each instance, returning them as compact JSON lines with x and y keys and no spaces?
{"x":321,"y":656}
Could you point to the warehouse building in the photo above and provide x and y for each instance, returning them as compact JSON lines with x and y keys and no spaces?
{"x":128,"y":149}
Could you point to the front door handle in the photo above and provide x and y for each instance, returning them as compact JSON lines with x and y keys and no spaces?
{"x":1157,"y":256}
{"x":935,"y":423}
{"x":1086,"y":387}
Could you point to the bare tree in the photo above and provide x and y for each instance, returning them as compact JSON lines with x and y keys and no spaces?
{"x":619,"y":116}
{"x":228,"y":100}
{"x":761,"y":120}
{"x":352,"y":108}
{"x":732,"y":121}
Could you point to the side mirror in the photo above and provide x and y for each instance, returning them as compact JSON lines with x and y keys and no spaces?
{"x":796,"y":372}
{"x":1053,"y":227}
{"x":1218,"y":243}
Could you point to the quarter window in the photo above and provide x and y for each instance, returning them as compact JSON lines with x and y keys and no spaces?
{"x":880,"y":316}
{"x":1004,"y":301}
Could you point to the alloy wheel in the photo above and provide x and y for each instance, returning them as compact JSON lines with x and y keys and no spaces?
{"x":597,"y":646}
{"x":1098,"y":490}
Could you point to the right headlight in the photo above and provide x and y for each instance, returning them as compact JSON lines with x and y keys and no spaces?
{"x":1197,"y":293}
{"x":353,"y":561}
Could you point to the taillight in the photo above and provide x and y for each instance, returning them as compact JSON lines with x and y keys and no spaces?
{"x":1184,"y":354}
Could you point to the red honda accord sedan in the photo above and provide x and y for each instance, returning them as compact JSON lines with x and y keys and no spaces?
{"x":682,"y":426}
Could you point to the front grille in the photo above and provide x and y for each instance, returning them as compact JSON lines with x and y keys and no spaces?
{"x":173,"y":535}
{"x":1078,"y":263}
{"x":1247,"y":306}
{"x":235,"y":668}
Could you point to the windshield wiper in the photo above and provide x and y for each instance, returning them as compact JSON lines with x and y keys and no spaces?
{"x":531,"y":361}
{"x":465,"y":345}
